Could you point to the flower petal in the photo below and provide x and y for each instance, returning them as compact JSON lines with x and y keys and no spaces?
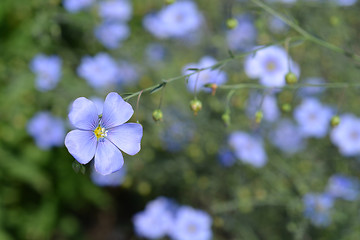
{"x":127,"y":137}
{"x":83,"y":114}
{"x":108,"y":158}
{"x":116,"y":111}
{"x":81,"y":144}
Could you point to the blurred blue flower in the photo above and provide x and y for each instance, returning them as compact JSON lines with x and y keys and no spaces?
{"x":340,"y":186}
{"x":269,"y":106}
{"x":47,"y":130}
{"x":155,"y":53}
{"x":111,"y":180}
{"x":317,"y":208}
{"x":47,"y":70}
{"x":313,"y":118}
{"x":112,"y":34}
{"x":270,"y":65}
{"x":344,"y":3}
{"x":115,"y":10}
{"x":176,"y":20}
{"x":226,"y":157}
{"x":177,"y":135}
{"x":312,"y":91}
{"x":346,"y":136}
{"x":129,"y":74}
{"x":156,"y":220}
{"x":191,"y":224}
{"x":243,"y":37}
{"x":103,"y":136}
{"x":74,"y":6}
{"x":276,"y":25}
{"x":99,"y":71}
{"x":207,"y":76}
{"x":287,"y":137}
{"x":248,"y":149}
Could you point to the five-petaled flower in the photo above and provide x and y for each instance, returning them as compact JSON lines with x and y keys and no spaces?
{"x":103,"y":136}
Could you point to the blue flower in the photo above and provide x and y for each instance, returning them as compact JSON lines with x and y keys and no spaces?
{"x":340,"y":186}
{"x":287,"y":137}
{"x":226,"y":157}
{"x":270,"y":65}
{"x":129,"y":74}
{"x":155,"y":53}
{"x":317,"y":208}
{"x":47,"y":70}
{"x":313,"y":118}
{"x":269,"y":106}
{"x":177,"y":135}
{"x":47,"y":130}
{"x":99,"y":71}
{"x":346,"y":136}
{"x":105,"y":135}
{"x":191,"y":224}
{"x":111,"y":180}
{"x":242,"y":37}
{"x":176,"y":20}
{"x":112,"y":34}
{"x":156,"y":220}
{"x":312,"y":91}
{"x":115,"y":10}
{"x":204,"y":77}
{"x":74,"y":6}
{"x":276,"y":25}
{"x":248,"y":149}
{"x":344,"y":3}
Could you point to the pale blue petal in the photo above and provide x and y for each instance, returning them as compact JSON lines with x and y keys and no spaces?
{"x":127,"y":137}
{"x":83,"y":114}
{"x":108,"y":158}
{"x":81,"y":144}
{"x":116,"y":111}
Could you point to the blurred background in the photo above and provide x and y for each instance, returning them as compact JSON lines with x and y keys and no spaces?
{"x":252,"y":164}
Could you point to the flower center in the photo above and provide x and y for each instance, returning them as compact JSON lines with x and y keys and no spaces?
{"x":270,"y":66}
{"x":100,"y":132}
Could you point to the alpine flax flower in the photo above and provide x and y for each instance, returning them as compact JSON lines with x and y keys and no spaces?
{"x":103,"y":136}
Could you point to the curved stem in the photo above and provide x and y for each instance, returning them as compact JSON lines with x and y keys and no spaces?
{"x":304,"y":33}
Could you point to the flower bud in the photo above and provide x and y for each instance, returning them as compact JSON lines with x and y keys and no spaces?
{"x":213,"y":88}
{"x":195,"y":106}
{"x":290,"y":78}
{"x":157,"y":115}
{"x":335,"y":120}
{"x":232,"y":23}
{"x":286,"y":107}
{"x":258,"y":117}
{"x":226,"y":118}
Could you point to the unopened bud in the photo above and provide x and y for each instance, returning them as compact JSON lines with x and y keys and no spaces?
{"x":213,"y":88}
{"x":226,"y":118}
{"x":157,"y":115}
{"x":290,"y":78}
{"x":335,"y":120}
{"x":232,"y":23}
{"x":258,"y":117}
{"x":286,"y":107}
{"x":195,"y":106}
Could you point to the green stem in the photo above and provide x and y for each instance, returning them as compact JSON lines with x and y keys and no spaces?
{"x":216,"y":65}
{"x":294,"y":86}
{"x":304,"y":33}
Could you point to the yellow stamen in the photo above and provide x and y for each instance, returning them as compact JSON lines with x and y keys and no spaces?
{"x":100,"y":132}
